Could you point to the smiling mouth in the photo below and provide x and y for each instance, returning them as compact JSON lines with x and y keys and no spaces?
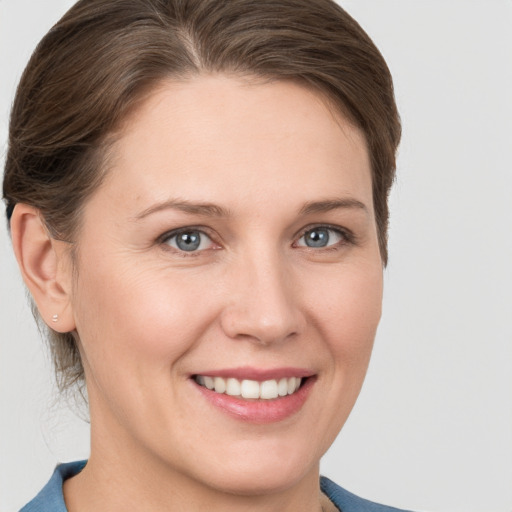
{"x":251,"y":389}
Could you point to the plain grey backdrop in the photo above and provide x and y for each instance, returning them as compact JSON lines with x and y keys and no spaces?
{"x":432,"y":430}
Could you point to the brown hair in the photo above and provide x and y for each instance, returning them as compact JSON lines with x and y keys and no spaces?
{"x":103,"y":55}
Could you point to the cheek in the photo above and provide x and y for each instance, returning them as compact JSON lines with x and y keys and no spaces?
{"x":349,"y":311}
{"x":346,"y":315}
{"x":130,"y":317}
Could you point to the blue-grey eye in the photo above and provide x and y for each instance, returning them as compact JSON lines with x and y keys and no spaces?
{"x":189,"y":241}
{"x":320,"y":237}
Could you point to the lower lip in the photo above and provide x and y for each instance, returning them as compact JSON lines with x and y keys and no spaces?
{"x":259,"y":411}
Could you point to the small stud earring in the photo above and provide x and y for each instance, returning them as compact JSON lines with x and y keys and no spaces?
{"x":55,"y":318}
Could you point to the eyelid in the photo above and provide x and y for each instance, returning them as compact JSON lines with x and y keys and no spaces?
{"x":168,"y":235}
{"x":348,"y":236}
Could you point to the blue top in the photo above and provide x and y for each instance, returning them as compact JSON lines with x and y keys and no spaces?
{"x":51,"y":499}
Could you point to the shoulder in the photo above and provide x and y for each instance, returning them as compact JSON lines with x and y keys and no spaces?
{"x":51,"y":499}
{"x":348,"y":502}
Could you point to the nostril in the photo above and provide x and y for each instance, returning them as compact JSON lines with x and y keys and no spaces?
{"x":257,"y":327}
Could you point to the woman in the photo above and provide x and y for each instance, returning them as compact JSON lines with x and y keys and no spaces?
{"x":197,"y":197}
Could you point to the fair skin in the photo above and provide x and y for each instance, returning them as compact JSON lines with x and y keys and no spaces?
{"x":277,"y":273}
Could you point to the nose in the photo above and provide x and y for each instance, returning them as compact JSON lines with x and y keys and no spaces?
{"x":262,"y":304}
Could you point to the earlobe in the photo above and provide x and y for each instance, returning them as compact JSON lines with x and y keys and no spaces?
{"x":45,"y":268}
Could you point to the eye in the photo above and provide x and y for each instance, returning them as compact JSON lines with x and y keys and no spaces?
{"x":188,"y":240}
{"x":320,"y":237}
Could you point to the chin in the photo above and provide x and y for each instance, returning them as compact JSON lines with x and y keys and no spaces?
{"x":261,"y":480}
{"x":263,"y":470}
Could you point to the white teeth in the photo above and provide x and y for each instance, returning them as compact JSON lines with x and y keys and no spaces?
{"x":219,"y":384}
{"x":282,"y":387}
{"x":233,"y":387}
{"x":269,"y":390}
{"x":251,"y":389}
{"x":292,"y":385}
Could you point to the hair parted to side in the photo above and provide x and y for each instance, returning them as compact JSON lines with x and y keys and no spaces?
{"x":103,"y":56}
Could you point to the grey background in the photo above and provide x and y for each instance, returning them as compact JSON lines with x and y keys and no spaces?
{"x":432,"y":430}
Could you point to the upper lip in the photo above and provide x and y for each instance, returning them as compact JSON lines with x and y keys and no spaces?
{"x":258,"y":374}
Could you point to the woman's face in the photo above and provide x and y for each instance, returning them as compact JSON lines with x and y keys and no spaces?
{"x":233,"y":243}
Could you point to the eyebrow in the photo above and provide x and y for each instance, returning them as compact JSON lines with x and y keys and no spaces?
{"x":206,"y":209}
{"x":333,"y":204}
{"x":213,"y":210}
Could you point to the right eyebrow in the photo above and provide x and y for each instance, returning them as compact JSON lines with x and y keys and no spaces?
{"x":333,"y":204}
{"x":205,"y":209}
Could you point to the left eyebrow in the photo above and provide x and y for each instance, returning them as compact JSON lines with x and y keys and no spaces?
{"x":206,"y":209}
{"x":333,"y":204}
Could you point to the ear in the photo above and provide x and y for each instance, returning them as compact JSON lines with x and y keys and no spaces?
{"x":45,"y":266}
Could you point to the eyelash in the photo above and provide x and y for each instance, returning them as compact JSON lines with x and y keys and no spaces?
{"x":347,"y":238}
{"x":169,"y":235}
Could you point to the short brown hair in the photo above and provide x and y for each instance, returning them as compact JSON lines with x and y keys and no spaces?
{"x":103,"y":55}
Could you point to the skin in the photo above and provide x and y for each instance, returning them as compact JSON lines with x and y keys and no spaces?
{"x":149,"y":315}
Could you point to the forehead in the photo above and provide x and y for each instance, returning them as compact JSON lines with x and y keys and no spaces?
{"x":226,"y":138}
